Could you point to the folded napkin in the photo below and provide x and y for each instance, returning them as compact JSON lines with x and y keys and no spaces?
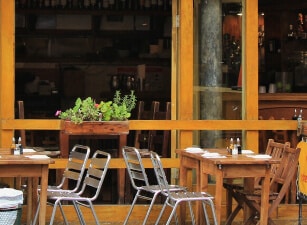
{"x":28,"y":150}
{"x":260,"y":156}
{"x":37,"y":156}
{"x":194,"y":150}
{"x":247,"y":152}
{"x":212,"y":155}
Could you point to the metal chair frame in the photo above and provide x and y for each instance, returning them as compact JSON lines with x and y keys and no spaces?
{"x":139,"y":181}
{"x":74,"y":170}
{"x":94,"y":178}
{"x":174,"y":198}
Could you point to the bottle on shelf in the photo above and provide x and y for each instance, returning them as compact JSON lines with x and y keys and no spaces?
{"x":300,"y":25}
{"x":294,"y":117}
{"x":291,"y":34}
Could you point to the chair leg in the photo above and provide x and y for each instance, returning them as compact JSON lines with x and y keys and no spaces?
{"x":300,"y":200}
{"x":62,"y":212}
{"x":233,"y":214}
{"x":211,"y":203}
{"x":94,"y":213}
{"x":53,"y":212}
{"x":192,"y":214}
{"x":161,"y":213}
{"x":131,"y":207}
{"x":36,"y":214}
{"x":172,"y":214}
{"x":79,"y":213}
{"x":150,"y":207}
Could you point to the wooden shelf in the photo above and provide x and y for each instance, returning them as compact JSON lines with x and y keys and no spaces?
{"x":94,"y":12}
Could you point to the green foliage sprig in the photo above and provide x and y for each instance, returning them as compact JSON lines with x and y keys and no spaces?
{"x":88,"y":110}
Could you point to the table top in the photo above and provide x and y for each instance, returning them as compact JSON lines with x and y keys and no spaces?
{"x":26,"y":158}
{"x":221,"y":157}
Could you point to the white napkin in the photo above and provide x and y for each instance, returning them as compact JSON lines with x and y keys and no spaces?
{"x":212,"y":155}
{"x":37,"y":156}
{"x":194,"y":150}
{"x":28,"y":150}
{"x":260,"y":156}
{"x":247,"y":152}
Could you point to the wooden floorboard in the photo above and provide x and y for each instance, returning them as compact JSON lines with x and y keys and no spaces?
{"x":115,"y":214}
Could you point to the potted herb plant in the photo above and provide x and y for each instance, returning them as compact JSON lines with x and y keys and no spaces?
{"x":105,"y":117}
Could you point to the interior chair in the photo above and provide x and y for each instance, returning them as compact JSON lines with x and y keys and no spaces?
{"x":50,"y":151}
{"x":139,"y":181}
{"x":142,"y":136}
{"x":279,"y":187}
{"x":275,"y":149}
{"x":174,"y":198}
{"x":94,"y":179}
{"x":159,"y":139}
{"x":301,"y":178}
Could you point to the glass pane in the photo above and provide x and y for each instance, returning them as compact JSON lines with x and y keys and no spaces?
{"x":217,"y":75}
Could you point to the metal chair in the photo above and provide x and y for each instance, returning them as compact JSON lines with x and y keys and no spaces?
{"x":174,"y":198}
{"x":74,"y":170}
{"x":94,"y":179}
{"x":139,"y":181}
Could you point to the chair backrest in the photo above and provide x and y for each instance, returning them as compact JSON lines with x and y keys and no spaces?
{"x":160,"y":173}
{"x":159,"y":139}
{"x":302,"y":169}
{"x":96,"y":173}
{"x":274,"y":149}
{"x":284,"y":175}
{"x":142,"y":137}
{"x":135,"y":167}
{"x":75,"y":166}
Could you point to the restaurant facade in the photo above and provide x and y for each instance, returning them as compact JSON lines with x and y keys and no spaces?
{"x":210,"y":105}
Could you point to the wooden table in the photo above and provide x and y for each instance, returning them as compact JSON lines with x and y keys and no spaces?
{"x":23,"y":166}
{"x":229,"y":167}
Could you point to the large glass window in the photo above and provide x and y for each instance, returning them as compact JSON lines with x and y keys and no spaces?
{"x":218,"y":77}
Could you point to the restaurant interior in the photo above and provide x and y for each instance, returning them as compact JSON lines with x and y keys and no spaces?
{"x":204,"y":73}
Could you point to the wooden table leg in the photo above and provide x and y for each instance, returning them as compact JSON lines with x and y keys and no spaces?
{"x":43,"y":195}
{"x":29,"y":200}
{"x":218,"y":195}
{"x":121,"y":172}
{"x":265,"y":198}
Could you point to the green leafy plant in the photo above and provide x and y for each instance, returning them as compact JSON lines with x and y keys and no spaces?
{"x":88,"y":110}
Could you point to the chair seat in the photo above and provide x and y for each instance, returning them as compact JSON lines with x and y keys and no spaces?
{"x":189,"y":196}
{"x":256,"y":195}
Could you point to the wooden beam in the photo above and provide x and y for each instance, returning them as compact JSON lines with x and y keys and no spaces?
{"x":116,"y":163}
{"x":184,"y":125}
